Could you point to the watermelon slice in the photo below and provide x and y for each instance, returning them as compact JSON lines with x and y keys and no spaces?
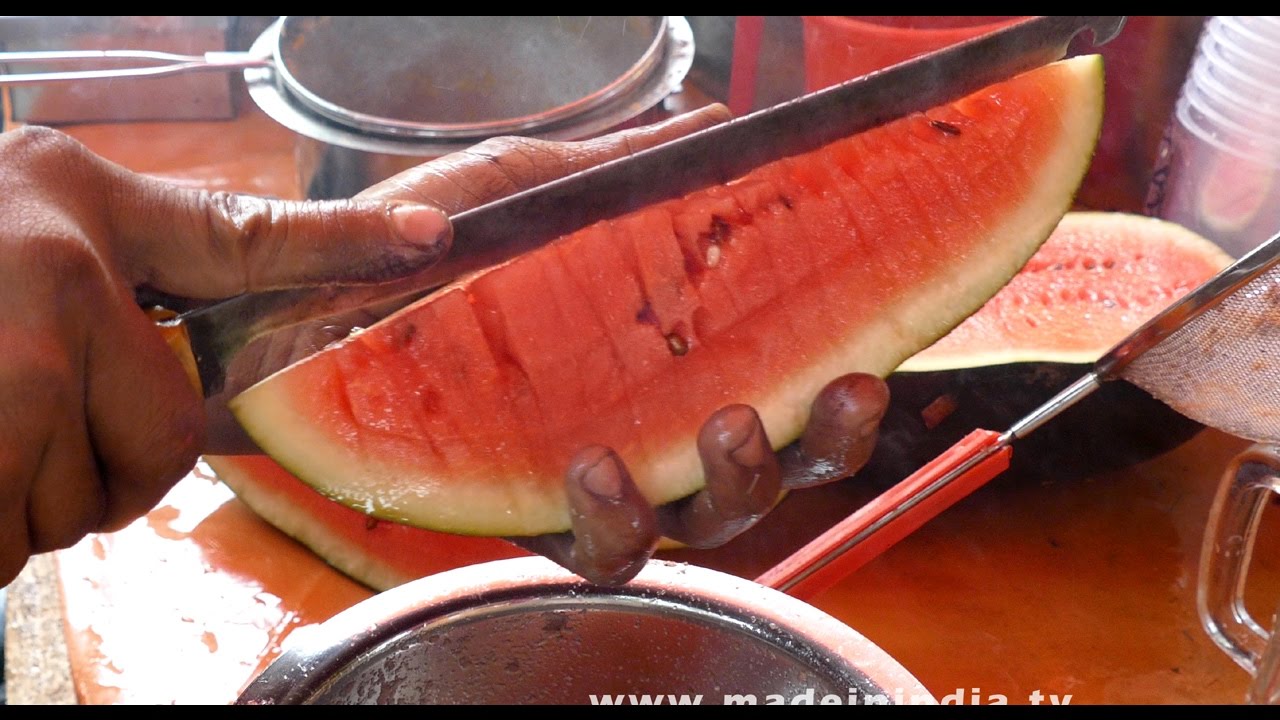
{"x":1037,"y":343}
{"x":1098,"y":278}
{"x":460,"y":412}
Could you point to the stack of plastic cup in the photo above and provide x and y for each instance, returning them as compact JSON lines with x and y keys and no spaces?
{"x":1219,"y":172}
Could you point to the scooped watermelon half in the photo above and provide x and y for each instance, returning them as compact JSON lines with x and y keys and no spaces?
{"x":1099,"y":277}
{"x":1096,"y":279}
{"x":460,"y":412}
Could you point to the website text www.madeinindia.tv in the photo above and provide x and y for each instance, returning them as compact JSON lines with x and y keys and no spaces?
{"x":962,"y":696}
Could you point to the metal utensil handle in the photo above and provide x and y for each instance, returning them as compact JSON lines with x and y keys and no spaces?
{"x":173,"y":64}
{"x":1247,"y":485}
{"x":896,"y":513}
{"x":947,"y":479}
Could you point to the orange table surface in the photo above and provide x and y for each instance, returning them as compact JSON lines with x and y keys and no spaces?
{"x":1083,"y":590}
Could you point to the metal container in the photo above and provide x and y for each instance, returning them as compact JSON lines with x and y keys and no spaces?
{"x":369,"y":97}
{"x":525,"y":631}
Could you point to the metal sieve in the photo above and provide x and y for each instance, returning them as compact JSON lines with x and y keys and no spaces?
{"x":425,"y":77}
{"x":1213,"y":356}
{"x":528,"y":632}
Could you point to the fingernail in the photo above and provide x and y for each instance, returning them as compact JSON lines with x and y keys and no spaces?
{"x":420,"y":224}
{"x":603,"y":479}
{"x":752,"y":452}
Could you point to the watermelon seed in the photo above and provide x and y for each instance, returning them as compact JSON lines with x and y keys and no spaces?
{"x":713,"y":256}
{"x":678,"y":345}
{"x":370,"y":523}
{"x":946,"y":127}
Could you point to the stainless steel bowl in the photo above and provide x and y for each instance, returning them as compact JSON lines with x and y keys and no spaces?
{"x":525,"y":631}
{"x":370,"y":96}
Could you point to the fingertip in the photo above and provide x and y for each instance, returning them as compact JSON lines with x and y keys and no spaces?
{"x":597,"y":473}
{"x":729,"y":432}
{"x":715,"y":113}
{"x":615,"y":529}
{"x":844,"y":424}
{"x":861,"y":397}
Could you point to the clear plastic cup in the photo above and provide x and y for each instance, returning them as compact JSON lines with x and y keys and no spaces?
{"x":1219,"y":168}
{"x":1248,"y":35}
{"x":1245,"y":49}
{"x":1247,"y":116}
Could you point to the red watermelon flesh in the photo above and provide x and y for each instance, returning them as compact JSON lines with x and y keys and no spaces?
{"x":1098,"y":277}
{"x":460,"y":412}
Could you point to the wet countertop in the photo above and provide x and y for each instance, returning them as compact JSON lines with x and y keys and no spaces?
{"x":1027,"y":588}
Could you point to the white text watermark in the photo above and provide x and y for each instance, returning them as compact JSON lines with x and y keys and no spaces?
{"x":962,"y":696}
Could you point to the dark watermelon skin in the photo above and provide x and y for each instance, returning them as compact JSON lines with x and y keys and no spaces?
{"x":1117,"y":426}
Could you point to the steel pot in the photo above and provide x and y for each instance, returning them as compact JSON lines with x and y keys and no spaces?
{"x":525,"y":631}
{"x":370,"y":99}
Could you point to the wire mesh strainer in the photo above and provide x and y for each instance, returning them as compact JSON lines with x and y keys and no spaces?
{"x":1213,"y":356}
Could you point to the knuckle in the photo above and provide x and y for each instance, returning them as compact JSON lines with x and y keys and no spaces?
{"x":67,"y":257}
{"x":524,"y":161}
{"x":39,"y":383}
{"x":176,"y":445}
{"x":38,"y":144}
{"x":242,"y":228}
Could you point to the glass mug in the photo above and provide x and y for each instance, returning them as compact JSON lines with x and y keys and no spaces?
{"x":1247,"y":486}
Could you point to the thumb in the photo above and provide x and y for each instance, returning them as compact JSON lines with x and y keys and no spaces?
{"x":210,"y":245}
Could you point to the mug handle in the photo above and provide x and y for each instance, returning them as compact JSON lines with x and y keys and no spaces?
{"x":1247,"y":485}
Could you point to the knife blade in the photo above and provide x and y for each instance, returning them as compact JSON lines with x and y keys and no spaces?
{"x":500,"y":230}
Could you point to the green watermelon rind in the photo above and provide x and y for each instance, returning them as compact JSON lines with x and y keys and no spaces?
{"x":879,"y":347}
{"x":282,"y":515}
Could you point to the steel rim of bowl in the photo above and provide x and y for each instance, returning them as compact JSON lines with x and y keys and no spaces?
{"x":263,"y":85}
{"x":322,"y":656}
{"x":633,"y":76}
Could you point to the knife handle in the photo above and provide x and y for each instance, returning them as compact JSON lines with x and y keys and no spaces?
{"x":896,"y":513}
{"x":175,"y":334}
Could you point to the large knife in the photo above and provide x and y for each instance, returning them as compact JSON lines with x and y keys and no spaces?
{"x":500,"y":230}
